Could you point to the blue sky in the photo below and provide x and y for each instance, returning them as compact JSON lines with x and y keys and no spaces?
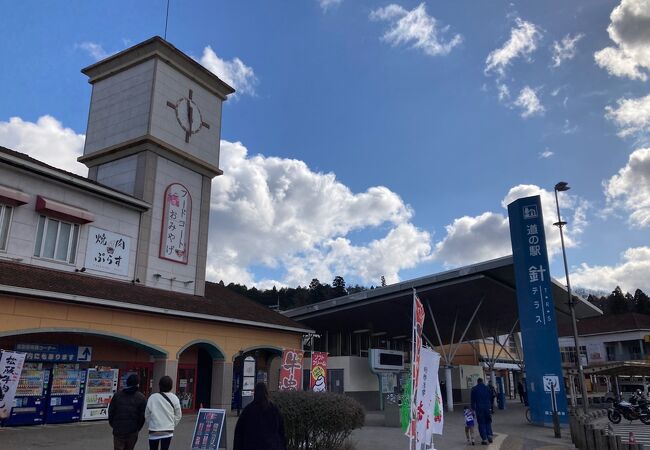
{"x":373,"y":138}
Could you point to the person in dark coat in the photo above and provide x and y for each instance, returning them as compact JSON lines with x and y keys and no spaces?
{"x":493,"y":393}
{"x":126,"y":414}
{"x":481,"y":399}
{"x":520,"y":391}
{"x":260,"y":425}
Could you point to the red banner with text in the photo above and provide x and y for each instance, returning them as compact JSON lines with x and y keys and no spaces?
{"x":318,"y":379}
{"x":291,"y":370}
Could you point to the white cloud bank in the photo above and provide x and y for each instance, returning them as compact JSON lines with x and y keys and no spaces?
{"x":415,"y":27}
{"x":630,"y":31}
{"x":629,"y":189}
{"x":96,"y":51}
{"x":327,"y":4}
{"x":630,"y":273}
{"x":487,"y":236}
{"x":46,"y":140}
{"x":233,"y":72}
{"x":631,"y":115}
{"x":565,"y":49}
{"x":529,"y":103}
{"x":523,"y":41}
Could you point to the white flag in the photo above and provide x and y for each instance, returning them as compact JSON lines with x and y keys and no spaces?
{"x":427,"y":393}
{"x":11,"y":366}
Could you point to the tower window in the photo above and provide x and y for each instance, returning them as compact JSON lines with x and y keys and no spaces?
{"x":56,"y":239}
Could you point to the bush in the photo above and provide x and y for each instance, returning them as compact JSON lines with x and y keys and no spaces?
{"x":317,"y":420}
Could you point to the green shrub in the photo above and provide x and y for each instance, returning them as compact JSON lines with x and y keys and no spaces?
{"x":317,"y":420}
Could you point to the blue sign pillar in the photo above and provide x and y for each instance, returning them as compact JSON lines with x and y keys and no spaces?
{"x":536,"y":310}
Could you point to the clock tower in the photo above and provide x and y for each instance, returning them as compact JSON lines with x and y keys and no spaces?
{"x":154,"y":128}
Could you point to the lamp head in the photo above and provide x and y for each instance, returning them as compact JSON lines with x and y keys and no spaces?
{"x":562,"y":186}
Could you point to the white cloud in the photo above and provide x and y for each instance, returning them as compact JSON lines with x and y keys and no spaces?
{"x":46,"y":140}
{"x":94,"y":50}
{"x":233,"y":72}
{"x":529,"y":103}
{"x":277,"y":213}
{"x":632,"y":115}
{"x":630,"y":273}
{"x":630,"y":31}
{"x":522,"y":43}
{"x":416,"y":27}
{"x":567,"y":128}
{"x":630,"y":188}
{"x":326,"y":4}
{"x":546,"y":154}
{"x":486,"y":236}
{"x":565,"y":49}
{"x":504,"y":92}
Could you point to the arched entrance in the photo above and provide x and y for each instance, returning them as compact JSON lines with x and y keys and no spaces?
{"x":253,"y":365}
{"x":199,"y":375}
{"x":72,"y":374}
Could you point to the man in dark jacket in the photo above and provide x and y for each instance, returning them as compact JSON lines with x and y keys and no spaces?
{"x":482,"y":405}
{"x":260,"y":425}
{"x":126,"y":414}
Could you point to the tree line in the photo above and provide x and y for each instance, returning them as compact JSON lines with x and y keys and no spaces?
{"x":618,"y":302}
{"x":287,"y":298}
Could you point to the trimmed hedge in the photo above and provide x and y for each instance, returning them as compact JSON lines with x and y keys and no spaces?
{"x":317,"y":420}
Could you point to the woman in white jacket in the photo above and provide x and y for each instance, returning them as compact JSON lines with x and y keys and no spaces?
{"x":163,"y":414}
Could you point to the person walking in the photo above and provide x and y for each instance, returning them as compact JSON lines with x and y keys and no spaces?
{"x":126,"y":414}
{"x":481,"y":400}
{"x":260,"y":425}
{"x":520,"y":391}
{"x":163,"y":414}
{"x":493,"y":394}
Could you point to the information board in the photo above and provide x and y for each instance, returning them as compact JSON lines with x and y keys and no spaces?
{"x":209,"y":431}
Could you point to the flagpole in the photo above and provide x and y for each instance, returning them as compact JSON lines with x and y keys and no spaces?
{"x":413,"y":345}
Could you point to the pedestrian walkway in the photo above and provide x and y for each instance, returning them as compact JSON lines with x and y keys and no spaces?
{"x":510,"y":427}
{"x":640,"y":430}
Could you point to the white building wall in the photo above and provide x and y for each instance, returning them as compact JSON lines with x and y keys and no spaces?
{"x":120,"y":108}
{"x":168,"y":173}
{"x":357,"y":376}
{"x":109,"y":216}
{"x":171,"y":86}
{"x":119,"y":174}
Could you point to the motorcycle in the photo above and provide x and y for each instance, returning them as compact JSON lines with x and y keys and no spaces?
{"x":637,"y":407}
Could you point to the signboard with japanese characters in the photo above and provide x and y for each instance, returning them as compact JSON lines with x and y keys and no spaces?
{"x":11,"y":365}
{"x":175,"y":232}
{"x":291,"y":370}
{"x":318,"y":373}
{"x":107,"y":251}
{"x":55,"y":353}
{"x":536,"y":309}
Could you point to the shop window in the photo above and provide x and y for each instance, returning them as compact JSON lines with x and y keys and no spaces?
{"x":5,"y":220}
{"x":56,"y":239}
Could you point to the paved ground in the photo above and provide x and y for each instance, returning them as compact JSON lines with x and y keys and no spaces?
{"x":623,"y":429}
{"x":511,"y":433}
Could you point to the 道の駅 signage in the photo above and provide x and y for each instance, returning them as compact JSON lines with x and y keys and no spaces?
{"x":536,"y":308}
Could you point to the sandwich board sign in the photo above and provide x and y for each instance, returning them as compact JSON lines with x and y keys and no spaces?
{"x":209,"y":430}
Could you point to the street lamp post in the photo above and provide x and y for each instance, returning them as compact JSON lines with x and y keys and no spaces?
{"x":561,"y":187}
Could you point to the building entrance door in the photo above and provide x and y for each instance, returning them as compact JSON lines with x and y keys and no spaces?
{"x":335,"y":381}
{"x":186,"y":386}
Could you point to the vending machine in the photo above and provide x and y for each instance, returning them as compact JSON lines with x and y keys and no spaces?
{"x":66,"y":393}
{"x":101,"y":385}
{"x":31,"y":394}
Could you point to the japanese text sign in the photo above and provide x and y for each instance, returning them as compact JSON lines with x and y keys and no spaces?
{"x":318,"y":378}
{"x":108,"y":251}
{"x":11,"y":365}
{"x":536,"y":306}
{"x":291,"y":370}
{"x":175,"y":232}
{"x":209,"y":433}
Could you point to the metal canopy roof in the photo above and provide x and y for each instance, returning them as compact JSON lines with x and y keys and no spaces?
{"x":629,"y":368}
{"x":451,"y":294}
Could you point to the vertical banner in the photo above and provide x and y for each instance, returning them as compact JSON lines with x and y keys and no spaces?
{"x":536,"y":310}
{"x":11,"y":366}
{"x":176,"y":219}
{"x":427,"y":421}
{"x":318,"y":378}
{"x":416,"y":347}
{"x":291,"y":370}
